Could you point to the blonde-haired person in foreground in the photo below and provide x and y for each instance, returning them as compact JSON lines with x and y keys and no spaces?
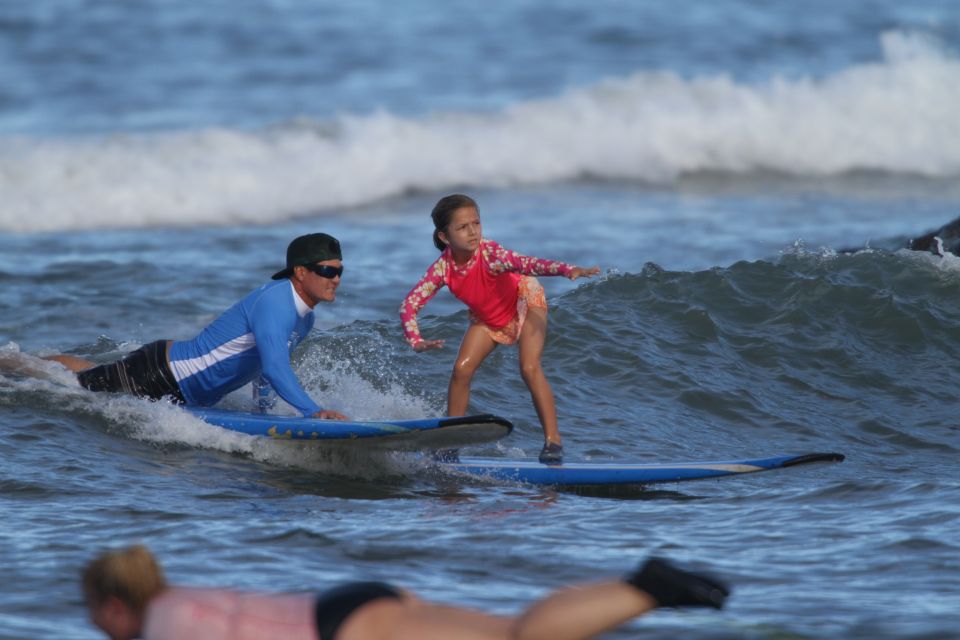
{"x":128,"y":598}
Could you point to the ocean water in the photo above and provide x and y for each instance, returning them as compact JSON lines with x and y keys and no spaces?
{"x":746,"y":175}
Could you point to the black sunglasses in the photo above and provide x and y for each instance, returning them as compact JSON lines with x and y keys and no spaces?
{"x":325,"y":270}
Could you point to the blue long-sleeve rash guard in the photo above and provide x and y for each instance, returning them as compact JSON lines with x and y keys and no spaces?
{"x":253,"y":337}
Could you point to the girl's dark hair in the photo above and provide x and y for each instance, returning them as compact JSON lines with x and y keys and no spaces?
{"x":443,"y":212}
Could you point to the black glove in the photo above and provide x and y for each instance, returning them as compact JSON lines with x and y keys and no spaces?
{"x":673,"y":587}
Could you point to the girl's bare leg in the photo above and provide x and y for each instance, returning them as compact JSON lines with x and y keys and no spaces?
{"x":531,"y":349}
{"x":73,"y":363}
{"x":474,"y":349}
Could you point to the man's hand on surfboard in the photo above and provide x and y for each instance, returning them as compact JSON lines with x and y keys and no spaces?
{"x":326,"y":414}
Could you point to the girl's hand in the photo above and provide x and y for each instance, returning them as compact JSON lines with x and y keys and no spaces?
{"x":580,"y":272}
{"x":426,"y":345}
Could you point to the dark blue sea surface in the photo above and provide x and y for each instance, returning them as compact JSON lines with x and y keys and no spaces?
{"x":716,"y":161}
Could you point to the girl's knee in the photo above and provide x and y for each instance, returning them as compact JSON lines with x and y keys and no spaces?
{"x":463,"y":371}
{"x":531,"y":370}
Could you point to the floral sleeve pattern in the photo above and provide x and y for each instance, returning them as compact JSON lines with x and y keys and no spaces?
{"x":501,"y":260}
{"x":431,"y":282}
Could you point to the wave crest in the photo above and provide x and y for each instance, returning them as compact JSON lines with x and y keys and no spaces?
{"x":897,"y":115}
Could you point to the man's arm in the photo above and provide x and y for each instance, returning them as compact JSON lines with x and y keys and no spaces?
{"x":275,"y":364}
{"x":272,"y":320}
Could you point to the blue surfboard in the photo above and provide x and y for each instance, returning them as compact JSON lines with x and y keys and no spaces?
{"x":572,"y":474}
{"x":425,"y":433}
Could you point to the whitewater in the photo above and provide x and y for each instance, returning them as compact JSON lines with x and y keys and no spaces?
{"x":747,"y":177}
{"x":893,"y":116}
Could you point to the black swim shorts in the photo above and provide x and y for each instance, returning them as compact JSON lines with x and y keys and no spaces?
{"x":144,"y":373}
{"x":336,"y":605}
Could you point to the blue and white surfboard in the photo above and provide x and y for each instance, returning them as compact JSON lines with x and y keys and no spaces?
{"x":585,"y":474}
{"x":425,"y":433}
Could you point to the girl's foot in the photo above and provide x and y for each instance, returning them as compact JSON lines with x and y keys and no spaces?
{"x":552,"y":453}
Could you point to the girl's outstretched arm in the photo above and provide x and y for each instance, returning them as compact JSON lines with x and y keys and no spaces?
{"x":583,"y":272}
{"x":501,"y":259}
{"x":431,"y":282}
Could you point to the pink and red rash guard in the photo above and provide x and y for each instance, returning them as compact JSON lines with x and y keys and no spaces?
{"x":182,"y":613}
{"x":487,"y":284}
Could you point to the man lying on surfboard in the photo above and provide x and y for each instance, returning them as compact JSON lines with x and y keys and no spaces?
{"x":250,"y":342}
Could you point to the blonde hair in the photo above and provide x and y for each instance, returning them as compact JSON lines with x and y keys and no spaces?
{"x":132,"y":575}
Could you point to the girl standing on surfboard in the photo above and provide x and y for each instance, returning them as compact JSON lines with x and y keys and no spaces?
{"x":507,"y":306}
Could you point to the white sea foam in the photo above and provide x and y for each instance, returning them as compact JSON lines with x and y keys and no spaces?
{"x":166,"y":424}
{"x":897,"y":115}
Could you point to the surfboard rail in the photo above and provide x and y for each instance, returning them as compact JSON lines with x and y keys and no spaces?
{"x":590,"y":473}
{"x":412,"y":434}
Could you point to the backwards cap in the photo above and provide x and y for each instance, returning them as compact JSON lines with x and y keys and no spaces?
{"x":313,"y":247}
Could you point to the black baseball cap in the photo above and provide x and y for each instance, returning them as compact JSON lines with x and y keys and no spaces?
{"x":313,"y":247}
